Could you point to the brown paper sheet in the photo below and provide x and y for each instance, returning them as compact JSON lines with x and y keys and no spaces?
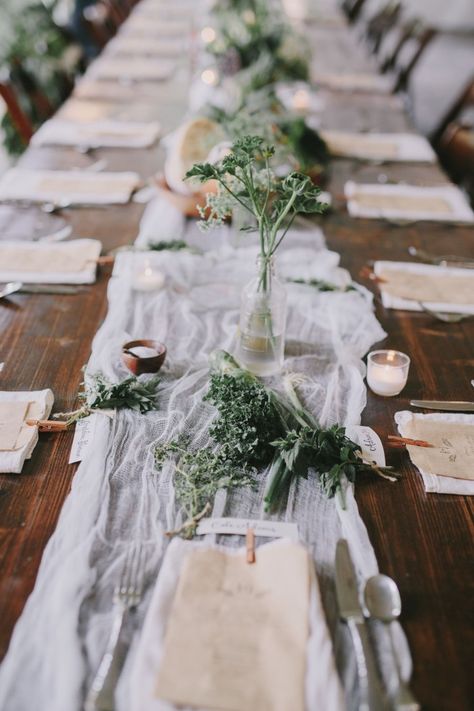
{"x":438,"y":288}
{"x":453,"y":453}
{"x":351,"y":144}
{"x":12,"y":417}
{"x":237,"y":633}
{"x":47,"y":259}
{"x":404,"y":203}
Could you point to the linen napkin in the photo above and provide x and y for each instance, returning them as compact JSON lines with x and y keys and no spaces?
{"x":354,"y":82}
{"x":148,"y":46}
{"x":73,"y":262}
{"x":136,"y":69}
{"x":68,"y":187}
{"x":440,"y":288}
{"x":453,"y":453}
{"x":320,"y":686}
{"x":97,"y":134}
{"x":154,"y":27}
{"x":445,"y":203}
{"x":379,"y":146}
{"x":17,"y":439}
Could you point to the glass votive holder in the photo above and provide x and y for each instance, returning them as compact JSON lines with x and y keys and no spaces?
{"x":387,"y":372}
{"x":146,"y":277}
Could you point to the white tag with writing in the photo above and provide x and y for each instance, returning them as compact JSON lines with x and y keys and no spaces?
{"x":83,"y":435}
{"x":239,"y":527}
{"x":369,"y":442}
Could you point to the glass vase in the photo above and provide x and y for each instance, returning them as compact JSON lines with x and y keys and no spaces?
{"x":261,"y":340}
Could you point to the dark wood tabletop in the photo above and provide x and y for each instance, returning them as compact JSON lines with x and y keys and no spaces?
{"x":423,"y":540}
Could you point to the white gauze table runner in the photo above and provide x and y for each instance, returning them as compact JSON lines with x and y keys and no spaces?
{"x":117,"y":495}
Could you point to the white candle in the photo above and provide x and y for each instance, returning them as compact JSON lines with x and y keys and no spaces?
{"x":301,"y":100}
{"x":210,"y":77}
{"x":387,"y":372}
{"x":208,"y":34}
{"x":149,"y":279}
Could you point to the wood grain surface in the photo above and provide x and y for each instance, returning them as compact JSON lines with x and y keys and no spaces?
{"x":424,"y":541}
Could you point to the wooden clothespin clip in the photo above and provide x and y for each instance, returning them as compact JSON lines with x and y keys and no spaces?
{"x":403,"y":441}
{"x":250,"y":545}
{"x":367,"y":273}
{"x":105,"y":260}
{"x":48,"y":425}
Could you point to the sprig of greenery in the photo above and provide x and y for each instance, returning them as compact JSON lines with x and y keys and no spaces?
{"x":322,"y":285}
{"x":245,"y":178}
{"x":258,"y":427}
{"x":172,"y":245}
{"x":100,"y":394}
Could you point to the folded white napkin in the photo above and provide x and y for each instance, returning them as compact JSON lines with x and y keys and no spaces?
{"x":445,"y":203}
{"x":148,"y":46}
{"x":68,"y":187}
{"x":391,"y":301}
{"x":433,"y":483}
{"x":380,"y":146}
{"x":161,"y":221}
{"x":73,"y":262}
{"x":39,"y":409}
{"x":355,"y":82}
{"x":322,"y":686}
{"x":97,"y":134}
{"x":136,"y":69}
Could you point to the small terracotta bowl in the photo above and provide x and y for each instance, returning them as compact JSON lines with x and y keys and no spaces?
{"x":139,"y":365}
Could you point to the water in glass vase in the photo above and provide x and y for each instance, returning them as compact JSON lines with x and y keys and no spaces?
{"x":261,"y":340}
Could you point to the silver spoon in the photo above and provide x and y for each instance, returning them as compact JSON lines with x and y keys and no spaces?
{"x":382,"y":599}
{"x":443,"y":316}
{"x":10,"y":288}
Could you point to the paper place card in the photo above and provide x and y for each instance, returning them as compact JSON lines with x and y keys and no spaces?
{"x":12,"y":418}
{"x":240,"y":526}
{"x":237,"y":633}
{"x":379,"y":146}
{"x":445,"y":203}
{"x":453,"y":451}
{"x":369,"y":442}
{"x":83,"y":435}
{"x":105,"y":134}
{"x":71,"y":187}
{"x":406,"y":284}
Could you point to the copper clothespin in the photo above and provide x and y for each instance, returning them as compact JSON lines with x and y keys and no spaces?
{"x":250,"y":545}
{"x":48,"y":425}
{"x":367,"y":273}
{"x":403,"y":441}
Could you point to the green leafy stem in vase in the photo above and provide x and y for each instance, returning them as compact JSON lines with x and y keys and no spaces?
{"x":100,"y":394}
{"x":257,"y":427}
{"x":244,"y":178}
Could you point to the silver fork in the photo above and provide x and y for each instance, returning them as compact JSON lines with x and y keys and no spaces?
{"x":127,"y":595}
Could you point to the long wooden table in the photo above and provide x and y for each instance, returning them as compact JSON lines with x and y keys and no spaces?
{"x":422,"y":540}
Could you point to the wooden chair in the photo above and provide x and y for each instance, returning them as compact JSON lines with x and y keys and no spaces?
{"x":100,"y":23}
{"x":411,"y":41}
{"x":381,"y":23}
{"x":352,"y":9}
{"x":18,"y":117}
{"x":463,"y":103}
{"x":456,"y":153}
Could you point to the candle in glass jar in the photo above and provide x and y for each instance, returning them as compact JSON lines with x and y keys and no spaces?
{"x":387,"y":372}
{"x":148,"y":279}
{"x":301,"y":100}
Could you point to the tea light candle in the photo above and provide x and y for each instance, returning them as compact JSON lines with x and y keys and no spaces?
{"x":387,"y":372}
{"x":210,"y":77}
{"x":301,"y":100}
{"x":149,"y":279}
{"x":208,"y":34}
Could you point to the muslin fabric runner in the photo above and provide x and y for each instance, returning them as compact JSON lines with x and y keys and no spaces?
{"x":118,"y":497}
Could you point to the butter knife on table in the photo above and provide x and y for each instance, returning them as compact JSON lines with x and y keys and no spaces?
{"x":446,"y":405}
{"x":372,"y":695}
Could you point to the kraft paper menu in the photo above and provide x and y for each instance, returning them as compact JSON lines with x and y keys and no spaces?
{"x":437,"y":288}
{"x":237,"y":633}
{"x":404,"y":203}
{"x":71,"y":256}
{"x":453,"y":453}
{"x":12,"y":417}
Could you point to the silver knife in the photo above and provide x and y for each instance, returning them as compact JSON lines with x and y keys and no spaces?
{"x":446,"y":405}
{"x":372,"y":696}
